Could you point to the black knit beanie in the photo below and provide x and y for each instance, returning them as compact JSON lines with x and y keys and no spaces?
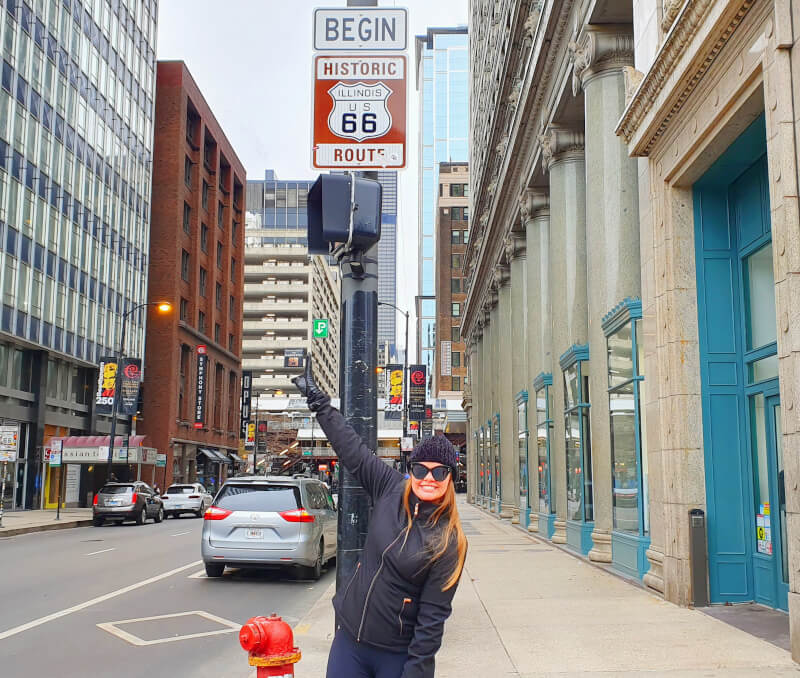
{"x":437,"y":449}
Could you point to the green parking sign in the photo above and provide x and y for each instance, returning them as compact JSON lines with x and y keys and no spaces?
{"x":321,"y":328}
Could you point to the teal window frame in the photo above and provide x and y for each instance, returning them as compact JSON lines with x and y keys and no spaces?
{"x":543,"y":384}
{"x":574,"y":358}
{"x":498,"y":465}
{"x":523,"y":438}
{"x":629,"y":312}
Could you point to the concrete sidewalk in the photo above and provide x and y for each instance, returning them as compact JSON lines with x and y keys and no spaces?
{"x":525,"y":608}
{"x":22,"y":522}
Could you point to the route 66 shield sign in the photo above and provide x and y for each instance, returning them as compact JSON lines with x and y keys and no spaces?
{"x":359,"y":111}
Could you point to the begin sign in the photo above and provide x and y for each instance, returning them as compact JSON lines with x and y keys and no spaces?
{"x":373,"y":28}
{"x":359,"y":112}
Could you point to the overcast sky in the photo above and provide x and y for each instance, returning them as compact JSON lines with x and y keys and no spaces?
{"x":252,"y":61}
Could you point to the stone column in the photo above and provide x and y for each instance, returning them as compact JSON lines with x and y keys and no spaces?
{"x":469,"y":361}
{"x":509,"y":459}
{"x":562,"y":151}
{"x":515,"y":252}
{"x":535,"y":212}
{"x":494,"y":378}
{"x":612,"y":236}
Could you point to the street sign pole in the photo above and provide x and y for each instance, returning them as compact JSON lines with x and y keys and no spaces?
{"x":2,"y":493}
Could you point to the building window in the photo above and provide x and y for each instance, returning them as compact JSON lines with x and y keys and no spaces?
{"x":184,"y":309}
{"x":234,"y":232}
{"x":204,"y":237}
{"x":219,"y":375}
{"x":455,"y":261}
{"x":203,"y":280}
{"x":465,"y":236}
{"x":185,"y":265}
{"x":455,"y":359}
{"x":455,"y":213}
{"x":205,"y":195}
{"x":183,"y":385}
{"x":219,"y":255}
{"x":580,"y":504}
{"x":218,"y":295}
{"x":522,"y":455}
{"x":455,"y":285}
{"x":187,"y":215}
{"x":187,"y":171}
{"x":465,"y":214}
{"x":232,"y":308}
{"x":233,"y":409}
{"x":455,"y":334}
{"x":217,"y":332}
{"x":201,"y":322}
{"x":233,"y":270}
{"x":544,"y":425}
{"x":220,"y":215}
{"x":625,"y":392}
{"x":231,"y":343}
{"x":455,"y":383}
{"x":455,"y":311}
{"x":458,"y":190}
{"x":455,"y":237}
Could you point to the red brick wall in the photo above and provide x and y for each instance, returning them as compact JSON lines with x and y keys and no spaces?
{"x":175,"y":88}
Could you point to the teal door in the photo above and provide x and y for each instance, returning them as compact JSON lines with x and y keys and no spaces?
{"x":739,"y":375}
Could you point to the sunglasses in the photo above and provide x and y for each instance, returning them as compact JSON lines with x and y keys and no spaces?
{"x":420,"y":471}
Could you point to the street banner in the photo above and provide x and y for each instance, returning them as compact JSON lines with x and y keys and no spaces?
{"x":9,"y":441}
{"x":447,"y":358}
{"x":247,"y":387}
{"x":394,"y":400}
{"x":161,"y":460}
{"x":294,"y":357}
{"x":56,"y":450}
{"x":359,"y":119}
{"x":106,"y":385}
{"x":417,"y":382}
{"x":251,"y":435}
{"x":202,"y":386}
{"x":129,"y":381}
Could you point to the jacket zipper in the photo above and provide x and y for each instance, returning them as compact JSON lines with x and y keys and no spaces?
{"x":375,"y":578}
{"x":400,"y":616}
{"x":352,"y":579}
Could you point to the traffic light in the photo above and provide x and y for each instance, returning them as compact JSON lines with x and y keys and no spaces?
{"x":333,"y":199}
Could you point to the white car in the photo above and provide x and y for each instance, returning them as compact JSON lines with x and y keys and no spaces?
{"x":186,"y":498}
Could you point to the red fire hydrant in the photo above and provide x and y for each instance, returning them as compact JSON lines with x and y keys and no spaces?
{"x":269,"y":643}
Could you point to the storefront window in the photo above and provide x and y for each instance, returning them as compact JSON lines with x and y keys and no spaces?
{"x":625,"y":395}
{"x":543,"y":428}
{"x":497,"y":469}
{"x":580,"y":504}
{"x":522,"y":448}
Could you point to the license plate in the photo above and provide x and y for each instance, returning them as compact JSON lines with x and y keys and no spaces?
{"x":253,"y":533}
{"x":114,"y":502}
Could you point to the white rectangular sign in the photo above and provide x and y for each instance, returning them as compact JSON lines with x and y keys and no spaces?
{"x":447,"y":358}
{"x":9,"y":440}
{"x":376,"y":29}
{"x":72,"y":484}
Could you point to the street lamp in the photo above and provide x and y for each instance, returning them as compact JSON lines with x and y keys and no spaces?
{"x":405,"y":377}
{"x":163,"y":307}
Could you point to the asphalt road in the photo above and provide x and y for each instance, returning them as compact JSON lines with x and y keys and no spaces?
{"x":56,"y":587}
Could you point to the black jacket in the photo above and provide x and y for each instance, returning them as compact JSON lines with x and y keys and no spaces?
{"x":394,"y":600}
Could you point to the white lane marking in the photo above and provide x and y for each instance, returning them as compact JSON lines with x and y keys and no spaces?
{"x":94,"y":601}
{"x":94,"y":553}
{"x":112,"y":628}
{"x":180,"y":534}
{"x":198,"y":575}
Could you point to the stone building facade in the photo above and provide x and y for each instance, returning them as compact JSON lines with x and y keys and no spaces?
{"x":631,"y":321}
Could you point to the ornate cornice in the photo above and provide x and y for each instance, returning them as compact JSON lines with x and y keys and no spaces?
{"x":689,"y":21}
{"x":560,"y":143}
{"x":632,"y":79}
{"x":502,"y":273}
{"x":598,"y":51}
{"x":669,"y":10}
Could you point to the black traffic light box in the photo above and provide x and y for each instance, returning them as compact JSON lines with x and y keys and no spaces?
{"x":331,"y":201}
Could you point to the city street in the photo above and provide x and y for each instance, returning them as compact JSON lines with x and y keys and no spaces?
{"x":59,"y":586}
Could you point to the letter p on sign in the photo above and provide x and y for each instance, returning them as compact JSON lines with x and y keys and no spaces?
{"x":321,"y":328}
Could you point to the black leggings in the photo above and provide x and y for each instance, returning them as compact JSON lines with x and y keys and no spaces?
{"x":349,"y":659}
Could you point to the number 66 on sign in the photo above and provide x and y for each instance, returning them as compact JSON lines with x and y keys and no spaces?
{"x":359,"y":112}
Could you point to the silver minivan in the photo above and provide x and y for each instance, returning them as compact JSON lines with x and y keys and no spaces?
{"x":270,"y":521}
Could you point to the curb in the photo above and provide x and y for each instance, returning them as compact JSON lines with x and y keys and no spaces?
{"x":16,"y":531}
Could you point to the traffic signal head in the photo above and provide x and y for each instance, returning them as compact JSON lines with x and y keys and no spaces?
{"x":333,"y":200}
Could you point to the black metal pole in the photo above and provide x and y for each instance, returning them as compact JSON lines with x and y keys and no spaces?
{"x":405,"y":381}
{"x":118,"y":358}
{"x":358,"y":392}
{"x":255,"y":443}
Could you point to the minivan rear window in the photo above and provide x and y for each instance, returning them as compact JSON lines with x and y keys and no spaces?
{"x":180,"y":489}
{"x":250,"y":497}
{"x":116,"y":489}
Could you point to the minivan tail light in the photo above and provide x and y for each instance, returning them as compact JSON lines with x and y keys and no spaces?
{"x":94,"y":503}
{"x":299,"y":515}
{"x":216,"y":513}
{"x":134,"y":497}
{"x":194,"y":496}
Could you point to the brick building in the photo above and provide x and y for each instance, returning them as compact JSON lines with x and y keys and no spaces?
{"x":196,"y":262}
{"x":452,"y":234}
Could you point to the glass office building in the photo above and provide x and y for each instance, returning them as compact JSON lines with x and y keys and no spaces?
{"x":442,"y":64}
{"x":76,"y":139}
{"x":387,"y":266}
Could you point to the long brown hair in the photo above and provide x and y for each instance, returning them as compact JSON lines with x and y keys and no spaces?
{"x":452,"y":530}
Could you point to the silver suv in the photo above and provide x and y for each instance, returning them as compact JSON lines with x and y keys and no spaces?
{"x":127,"y":501}
{"x":270,"y":521}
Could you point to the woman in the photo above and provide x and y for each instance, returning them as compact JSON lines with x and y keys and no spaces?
{"x":391,"y":612}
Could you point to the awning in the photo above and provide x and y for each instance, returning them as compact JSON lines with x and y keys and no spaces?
{"x":213,"y":455}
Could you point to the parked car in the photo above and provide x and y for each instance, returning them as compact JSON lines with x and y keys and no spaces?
{"x":126,"y":501}
{"x":270,"y":521}
{"x":186,"y":498}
